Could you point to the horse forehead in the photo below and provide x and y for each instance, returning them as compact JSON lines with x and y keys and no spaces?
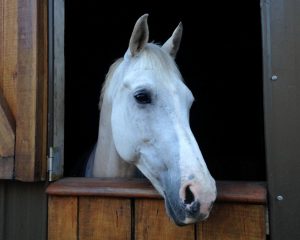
{"x":155,"y":77}
{"x":157,"y":73}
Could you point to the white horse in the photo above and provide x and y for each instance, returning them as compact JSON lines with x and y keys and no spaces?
{"x":144,"y":123}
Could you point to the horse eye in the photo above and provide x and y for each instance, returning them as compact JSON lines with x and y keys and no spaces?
{"x":143,"y":96}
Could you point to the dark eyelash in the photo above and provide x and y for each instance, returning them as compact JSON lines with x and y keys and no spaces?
{"x":143,"y":96}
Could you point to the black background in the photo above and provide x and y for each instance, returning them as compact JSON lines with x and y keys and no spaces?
{"x":220,"y":59}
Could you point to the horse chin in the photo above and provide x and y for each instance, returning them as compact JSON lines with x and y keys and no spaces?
{"x":178,"y":220}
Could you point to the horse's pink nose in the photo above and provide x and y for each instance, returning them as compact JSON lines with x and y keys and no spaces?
{"x":197,"y":203}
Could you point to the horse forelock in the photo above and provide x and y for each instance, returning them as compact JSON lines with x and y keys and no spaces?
{"x":155,"y":58}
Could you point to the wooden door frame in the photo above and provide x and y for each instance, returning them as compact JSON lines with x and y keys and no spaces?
{"x":23,"y":86}
{"x":56,"y":89}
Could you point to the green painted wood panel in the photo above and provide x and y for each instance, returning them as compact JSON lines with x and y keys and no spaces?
{"x":2,"y":192}
{"x":23,"y":211}
{"x":281,"y":48}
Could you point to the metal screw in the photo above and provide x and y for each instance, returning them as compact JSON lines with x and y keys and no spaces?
{"x":279,"y":198}
{"x":274,"y":78}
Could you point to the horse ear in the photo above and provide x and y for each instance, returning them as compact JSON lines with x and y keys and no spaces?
{"x":172,"y":44}
{"x":139,"y":36}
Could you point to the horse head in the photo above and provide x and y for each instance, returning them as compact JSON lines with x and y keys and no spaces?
{"x":149,"y":120}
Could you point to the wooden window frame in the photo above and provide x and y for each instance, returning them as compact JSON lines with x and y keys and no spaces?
{"x":253,"y":193}
{"x":279,"y":26}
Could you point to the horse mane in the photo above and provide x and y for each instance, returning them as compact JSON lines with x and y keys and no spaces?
{"x":108,"y":77}
{"x":152,"y":57}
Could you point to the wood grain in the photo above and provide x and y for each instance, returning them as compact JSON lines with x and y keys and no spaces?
{"x":23,"y":85}
{"x":9,"y":53}
{"x":30,"y":114}
{"x":242,"y":192}
{"x":62,"y":218}
{"x":26,"y":88}
{"x":42,"y":91}
{"x":234,"y":222}
{"x":7,"y":130}
{"x":104,"y":218}
{"x":247,"y":192}
{"x":242,"y":218}
{"x":1,"y":43}
{"x":151,"y":222}
{"x":103,"y":187}
{"x":8,"y":78}
{"x":58,"y":84}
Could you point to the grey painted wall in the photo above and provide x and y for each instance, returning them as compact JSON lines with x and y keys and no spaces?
{"x":281,"y":34}
{"x":23,"y":211}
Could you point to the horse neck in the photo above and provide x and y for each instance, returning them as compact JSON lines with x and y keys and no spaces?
{"x":107,"y":162}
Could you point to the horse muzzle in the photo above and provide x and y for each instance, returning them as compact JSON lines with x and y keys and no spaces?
{"x":191,"y":205}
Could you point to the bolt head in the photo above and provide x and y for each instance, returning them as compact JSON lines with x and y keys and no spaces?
{"x":279,"y":198}
{"x":274,"y":78}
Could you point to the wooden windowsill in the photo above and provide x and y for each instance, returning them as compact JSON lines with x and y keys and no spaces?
{"x":228,"y":191}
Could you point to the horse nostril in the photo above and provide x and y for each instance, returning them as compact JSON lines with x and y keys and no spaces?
{"x":189,"y":196}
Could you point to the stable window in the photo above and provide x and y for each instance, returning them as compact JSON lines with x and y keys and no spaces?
{"x":220,"y":58}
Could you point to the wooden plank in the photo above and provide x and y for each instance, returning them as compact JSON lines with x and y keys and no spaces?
{"x":7,"y":131}
{"x":56,"y":110}
{"x":104,"y":218}
{"x":10,"y":53}
{"x":59,"y":81}
{"x":151,"y":222}
{"x":242,"y":192}
{"x":23,"y":83}
{"x":8,"y":78}
{"x":31,"y":111}
{"x":62,"y":218}
{"x":26,"y":88}
{"x":248,"y":192}
{"x":234,"y":222}
{"x":103,"y":187}
{"x":42,"y":90}
{"x":97,"y":215}
{"x":1,"y":43}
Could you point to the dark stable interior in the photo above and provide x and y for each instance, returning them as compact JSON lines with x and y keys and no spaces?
{"x":220,"y":59}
